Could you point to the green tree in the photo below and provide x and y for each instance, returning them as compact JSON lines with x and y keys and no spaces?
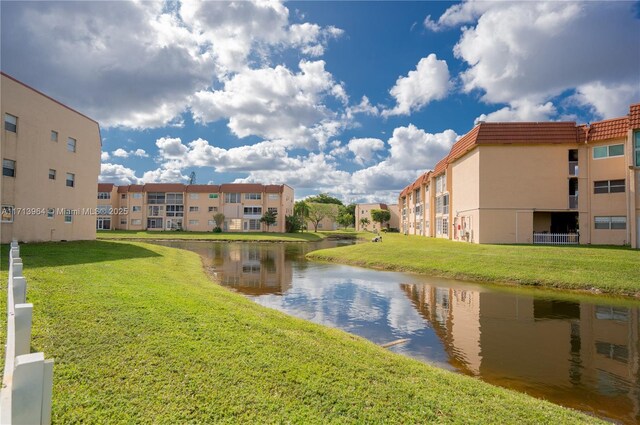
{"x":324,"y":198}
{"x":219,"y":221}
{"x":380,"y":216}
{"x":351,"y":208}
{"x":293,"y":223}
{"x":320,"y":211}
{"x":345,"y":219}
{"x":364,"y":222}
{"x":269,"y":218}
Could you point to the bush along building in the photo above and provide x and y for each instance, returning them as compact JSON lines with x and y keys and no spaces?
{"x":193,"y":207}
{"x":541,"y":182}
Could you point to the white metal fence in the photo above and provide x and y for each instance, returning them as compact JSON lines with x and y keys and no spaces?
{"x":556,"y":238}
{"x":27,"y":383}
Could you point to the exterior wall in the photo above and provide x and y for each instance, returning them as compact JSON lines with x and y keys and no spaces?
{"x":607,"y":204}
{"x":364,"y":211}
{"x":394,"y":222}
{"x":326,"y":223}
{"x":465,"y":207}
{"x":35,"y":154}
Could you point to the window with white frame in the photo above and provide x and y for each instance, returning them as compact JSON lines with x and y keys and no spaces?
{"x":123,"y":221}
{"x":155,"y":210}
{"x":71,"y":144}
{"x":71,"y":180}
{"x":8,"y":168}
{"x":101,"y":195}
{"x":68,"y":216}
{"x":103,"y":209}
{"x":194,"y":209}
{"x":54,"y":136}
{"x":155,"y":197}
{"x":439,"y":226}
{"x":194,"y":222}
{"x":610,"y":223}
{"x":445,"y":203}
{"x":600,"y":152}
{"x":441,"y":183}
{"x":7,"y":214}
{"x":211,"y":223}
{"x":123,"y":196}
{"x":138,"y":222}
{"x":52,"y":174}
{"x":274,"y":196}
{"x":136,"y":195}
{"x":273,"y":210}
{"x":194,"y":195}
{"x":636,"y":148}
{"x":445,"y":226}
{"x":136,"y":208}
{"x":257,"y":196}
{"x":175,"y":210}
{"x":51,"y":213}
{"x":417,"y":196}
{"x":212,"y":209}
{"x":232,"y":198}
{"x":11,"y":123}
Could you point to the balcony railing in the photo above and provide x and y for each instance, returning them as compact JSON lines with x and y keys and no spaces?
{"x":573,"y":202}
{"x":573,"y":168}
{"x":556,"y":238}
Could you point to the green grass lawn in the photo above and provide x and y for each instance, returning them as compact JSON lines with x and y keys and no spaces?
{"x":140,"y":334}
{"x":609,"y":269}
{"x":210,"y":236}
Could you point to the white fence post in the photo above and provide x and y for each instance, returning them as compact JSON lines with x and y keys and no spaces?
{"x":19,"y":290}
{"x":24,"y":313}
{"x":47,"y":392}
{"x":26,"y":400}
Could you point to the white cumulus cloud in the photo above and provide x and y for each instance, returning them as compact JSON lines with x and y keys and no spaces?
{"x":364,"y":149}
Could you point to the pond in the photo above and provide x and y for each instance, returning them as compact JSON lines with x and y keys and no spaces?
{"x":580,"y":352}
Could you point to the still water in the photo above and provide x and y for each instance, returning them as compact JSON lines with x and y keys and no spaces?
{"x":578,"y":352}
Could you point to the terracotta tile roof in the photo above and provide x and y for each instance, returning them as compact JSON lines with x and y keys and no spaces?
{"x":425,"y":177}
{"x":526,"y":132}
{"x":274,"y":188}
{"x":464,"y":144}
{"x":440,"y":166}
{"x":241,"y":188}
{"x":164,"y":187}
{"x":203,"y":188}
{"x":608,"y":129}
{"x":384,"y":207}
{"x":105,"y":187}
{"x":581,"y":133}
{"x":634,"y":116}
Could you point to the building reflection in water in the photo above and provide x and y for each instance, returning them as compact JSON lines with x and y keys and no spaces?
{"x":573,"y":353}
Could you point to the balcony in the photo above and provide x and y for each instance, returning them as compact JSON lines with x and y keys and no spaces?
{"x":573,"y":202}
{"x":573,"y":168}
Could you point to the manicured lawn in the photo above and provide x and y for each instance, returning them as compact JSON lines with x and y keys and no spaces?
{"x":140,"y":334}
{"x":609,"y":269}
{"x":210,"y":236}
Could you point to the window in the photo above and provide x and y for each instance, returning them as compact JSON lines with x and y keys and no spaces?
{"x":608,"y":151}
{"x":8,"y":168}
{"x":7,"y":214}
{"x":253,"y":196}
{"x":445,"y":226}
{"x":445,"y":203}
{"x":194,"y":222}
{"x":10,"y":123}
{"x":51,"y":213}
{"x":155,"y":211}
{"x":175,"y":210}
{"x":194,"y":209}
{"x":136,"y":195}
{"x":273,"y":210}
{"x":155,"y":198}
{"x":194,"y":195}
{"x":71,"y":144}
{"x":609,"y":186}
{"x":213,"y":196}
{"x":417,"y":196}
{"x":123,"y":196}
{"x":54,"y":136}
{"x":211,"y":223}
{"x":274,"y":196}
{"x":636,"y":148}
{"x":441,"y":183}
{"x":152,"y":223}
{"x":252,"y":210}
{"x":52,"y":174}
{"x":71,"y":179}
{"x":213,"y":209}
{"x":138,"y":222}
{"x":232,"y":198}
{"x":610,"y":223}
{"x":68,"y":216}
{"x":174,"y":198}
{"x":123,"y":221}
{"x":136,"y":208}
{"x":103,"y":210}
{"x":101,"y":195}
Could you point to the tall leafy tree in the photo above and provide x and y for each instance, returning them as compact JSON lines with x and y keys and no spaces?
{"x":345,"y":219}
{"x":380,"y":216}
{"x":269,"y":218}
{"x":324,"y":198}
{"x":364,"y":222}
{"x":320,"y":211}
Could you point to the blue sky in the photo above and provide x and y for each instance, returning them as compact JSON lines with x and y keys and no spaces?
{"x":352,"y":98}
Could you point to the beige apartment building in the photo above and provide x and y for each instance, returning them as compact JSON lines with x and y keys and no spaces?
{"x":364,"y":211}
{"x":50,"y":165}
{"x":551,"y":182}
{"x":173,"y":206}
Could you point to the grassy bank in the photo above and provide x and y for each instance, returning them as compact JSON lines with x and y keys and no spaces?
{"x":609,"y":269}
{"x":139,"y":334}
{"x":209,"y":236}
